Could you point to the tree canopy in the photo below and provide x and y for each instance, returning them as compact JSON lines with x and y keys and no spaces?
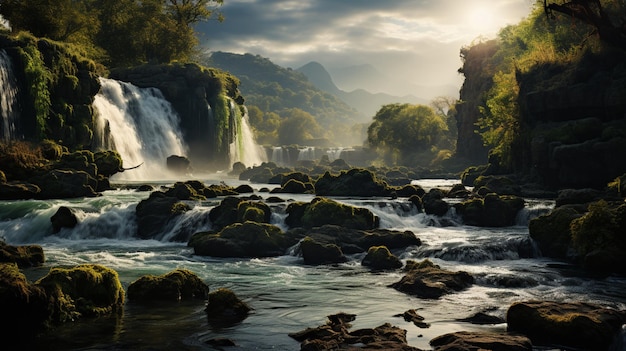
{"x":402,"y":131}
{"x":122,"y":32}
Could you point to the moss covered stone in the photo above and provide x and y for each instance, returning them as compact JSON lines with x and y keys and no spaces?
{"x":321,"y":211}
{"x":88,"y":290}
{"x":380,"y":258}
{"x":354,"y":182}
{"x":225,"y":307}
{"x":23,"y":256}
{"x":427,"y":280}
{"x":315,"y":253}
{"x":180,"y":284}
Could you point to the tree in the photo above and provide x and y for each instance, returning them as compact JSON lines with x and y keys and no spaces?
{"x":609,"y":19}
{"x":403,"y":130}
{"x":298,"y":127}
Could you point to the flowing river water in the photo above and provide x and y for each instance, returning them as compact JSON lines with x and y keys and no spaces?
{"x":286,"y":295}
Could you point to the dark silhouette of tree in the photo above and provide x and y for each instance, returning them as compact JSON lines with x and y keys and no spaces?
{"x":609,"y":20}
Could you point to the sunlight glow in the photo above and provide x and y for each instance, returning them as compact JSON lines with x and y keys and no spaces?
{"x":482,"y":21}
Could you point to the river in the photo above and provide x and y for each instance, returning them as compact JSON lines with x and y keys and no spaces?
{"x":286,"y":295}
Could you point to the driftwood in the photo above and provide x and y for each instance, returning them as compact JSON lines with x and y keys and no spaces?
{"x":128,"y":169}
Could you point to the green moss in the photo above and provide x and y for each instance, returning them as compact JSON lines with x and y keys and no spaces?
{"x":602,"y":227}
{"x":224,"y":303}
{"x":173,"y":286}
{"x":323,"y":211}
{"x":84,"y":290}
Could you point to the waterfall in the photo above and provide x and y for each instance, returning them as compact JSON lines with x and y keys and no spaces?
{"x":280,"y":156}
{"x":244,"y":148}
{"x":334,"y":153}
{"x":306,"y":154}
{"x":9,"y":110}
{"x":143,"y":126}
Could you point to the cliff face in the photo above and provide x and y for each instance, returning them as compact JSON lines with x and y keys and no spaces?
{"x":478,"y":81}
{"x":57,"y":89}
{"x":207,"y":100}
{"x":576,"y":118}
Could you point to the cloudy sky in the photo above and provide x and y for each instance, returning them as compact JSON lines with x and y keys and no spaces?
{"x":415,"y":41}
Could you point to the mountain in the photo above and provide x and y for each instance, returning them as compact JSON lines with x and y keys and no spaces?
{"x":362,"y":100}
{"x":369,"y":78}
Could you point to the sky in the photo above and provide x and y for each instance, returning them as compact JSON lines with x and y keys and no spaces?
{"x":412,"y":42}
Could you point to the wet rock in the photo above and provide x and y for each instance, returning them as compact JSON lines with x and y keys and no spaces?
{"x":63,"y":218}
{"x":224,"y":308}
{"x":237,"y":210}
{"x":471,"y":341}
{"x":491,"y":211}
{"x":574,"y":325}
{"x":380,"y":258}
{"x":62,"y":184}
{"x":177,"y":285}
{"x":18,"y":191}
{"x":426,"y":280}
{"x":178,"y":164}
{"x":315,"y":253}
{"x":356,"y":241}
{"x":482,"y":318}
{"x":413,"y":316}
{"x":88,"y":290}
{"x":434,"y":204}
{"x":248,"y":239}
{"x":321,"y":211}
{"x":551,"y":231}
{"x":355,"y":182}
{"x":23,"y":256}
{"x":155,"y":212}
{"x":336,"y":335}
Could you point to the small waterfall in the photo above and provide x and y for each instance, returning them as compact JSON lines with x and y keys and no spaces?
{"x":143,"y":126}
{"x":9,"y":110}
{"x":334,"y":153}
{"x":244,"y":148}
{"x":306,"y":154}
{"x":280,"y":156}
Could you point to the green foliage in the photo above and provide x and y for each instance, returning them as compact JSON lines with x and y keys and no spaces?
{"x":38,"y":78}
{"x":296,"y":127}
{"x":603,"y":226}
{"x":403,"y":130}
{"x":130,"y":32}
{"x":532,"y":43}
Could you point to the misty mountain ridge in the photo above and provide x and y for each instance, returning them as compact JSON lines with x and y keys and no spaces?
{"x":365,"y":102}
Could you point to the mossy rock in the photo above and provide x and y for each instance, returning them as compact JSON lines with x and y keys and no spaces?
{"x":576,"y":325}
{"x":491,"y":211}
{"x":552,"y":232}
{"x":88,"y":290}
{"x":24,"y":306}
{"x":108,"y":162}
{"x":248,"y":239}
{"x":177,"y":285}
{"x":184,"y":191}
{"x":410,"y":190}
{"x":321,"y":211}
{"x":315,"y":253}
{"x":224,"y":307}
{"x":23,"y":256}
{"x":51,"y":150}
{"x":155,"y":212}
{"x":380,"y":258}
{"x":429,"y":281}
{"x":354,"y":182}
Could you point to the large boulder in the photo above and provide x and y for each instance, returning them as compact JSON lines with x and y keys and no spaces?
{"x":576,"y":325}
{"x":238,"y":210}
{"x":60,"y":184}
{"x":224,"y":307}
{"x":88,"y":290}
{"x":355,"y":182}
{"x":434,"y":203}
{"x":352,"y":241}
{"x":248,"y":239}
{"x":491,"y":211}
{"x":321,"y":211}
{"x":177,"y":285}
{"x":551,"y":231}
{"x":427,"y":280}
{"x":470,"y":341}
{"x":64,"y":217}
{"x":155,"y":212}
{"x":380,"y":258}
{"x":315,"y":253}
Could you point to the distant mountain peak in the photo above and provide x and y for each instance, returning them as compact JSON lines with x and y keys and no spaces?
{"x":319,"y":76}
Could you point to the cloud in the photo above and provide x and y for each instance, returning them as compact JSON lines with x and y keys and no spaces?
{"x":418,"y":40}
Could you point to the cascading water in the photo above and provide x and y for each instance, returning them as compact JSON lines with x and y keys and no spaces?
{"x":306,"y":154}
{"x":280,"y":156}
{"x":9,"y":112}
{"x":244,"y":149}
{"x":143,"y":126}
